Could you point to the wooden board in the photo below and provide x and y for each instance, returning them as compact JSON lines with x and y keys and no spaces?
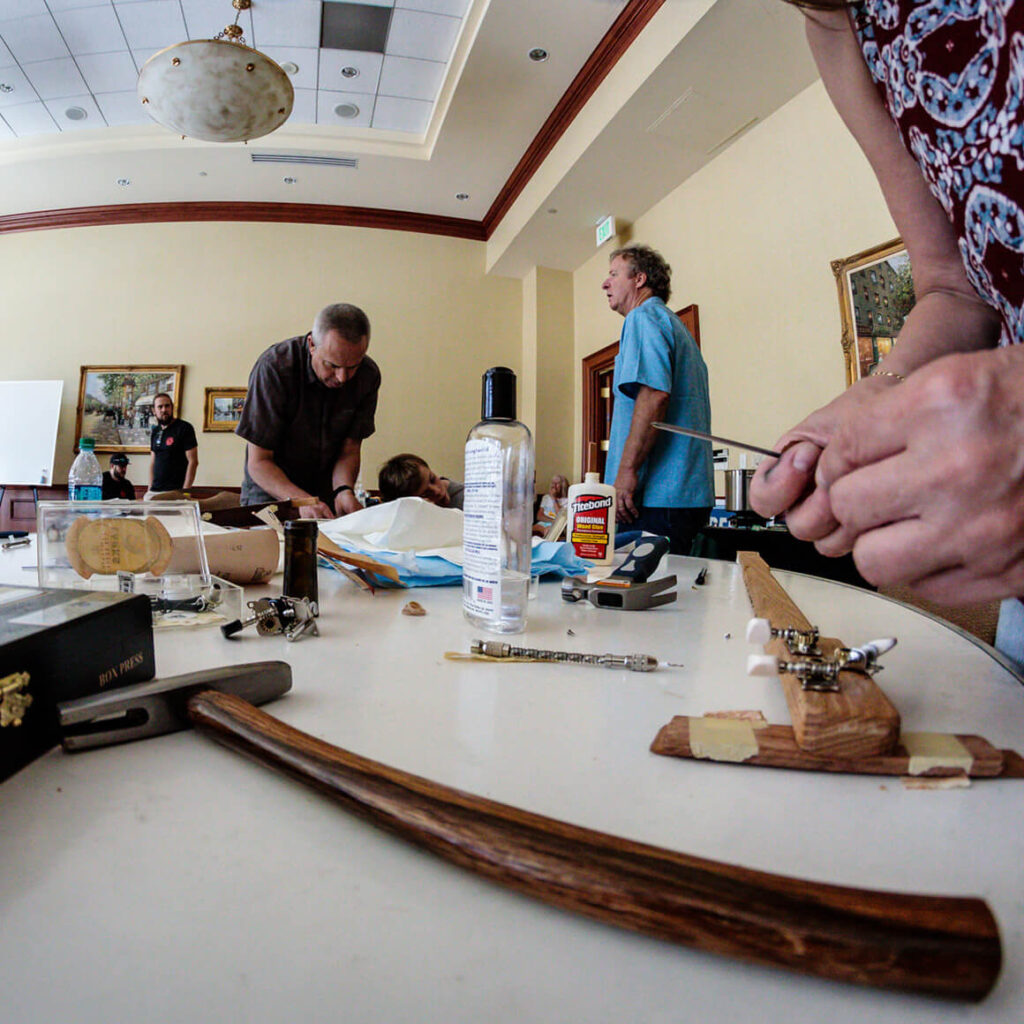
{"x":856,"y":721}
{"x":777,"y":747}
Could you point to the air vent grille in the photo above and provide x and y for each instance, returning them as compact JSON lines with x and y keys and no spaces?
{"x":305,"y":158}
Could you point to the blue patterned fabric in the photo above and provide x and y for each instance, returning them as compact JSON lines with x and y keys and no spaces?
{"x":951,"y":73}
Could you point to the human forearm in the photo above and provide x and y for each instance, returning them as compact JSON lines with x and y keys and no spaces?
{"x":190,"y":469}
{"x":346,"y":473}
{"x":649,"y":406}
{"x":269,"y":476}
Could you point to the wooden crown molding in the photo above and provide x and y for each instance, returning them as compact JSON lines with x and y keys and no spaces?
{"x":616,"y":41}
{"x":281,"y":213}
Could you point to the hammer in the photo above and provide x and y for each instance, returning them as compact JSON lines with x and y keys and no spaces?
{"x":940,"y":945}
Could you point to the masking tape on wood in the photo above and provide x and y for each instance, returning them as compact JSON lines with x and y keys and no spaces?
{"x":722,"y":739}
{"x":935,"y":750}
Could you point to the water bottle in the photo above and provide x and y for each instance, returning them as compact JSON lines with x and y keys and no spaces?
{"x":85,"y":480}
{"x":498,"y":511}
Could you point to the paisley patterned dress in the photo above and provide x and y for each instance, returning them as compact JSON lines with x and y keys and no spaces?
{"x":951,"y":74}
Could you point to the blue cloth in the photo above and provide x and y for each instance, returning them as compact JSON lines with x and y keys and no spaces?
{"x":550,"y":558}
{"x":656,"y":350}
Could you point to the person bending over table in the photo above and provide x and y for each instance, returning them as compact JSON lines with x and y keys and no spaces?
{"x":918,"y":469}
{"x":409,"y":476}
{"x":311,"y":402}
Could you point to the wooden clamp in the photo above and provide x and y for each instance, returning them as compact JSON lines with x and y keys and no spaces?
{"x":856,"y":721}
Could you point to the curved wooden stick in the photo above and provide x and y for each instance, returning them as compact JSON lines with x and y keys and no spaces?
{"x":944,"y":946}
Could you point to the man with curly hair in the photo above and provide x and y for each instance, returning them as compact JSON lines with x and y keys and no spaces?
{"x":664,"y":483}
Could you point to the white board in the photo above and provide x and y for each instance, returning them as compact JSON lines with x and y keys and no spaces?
{"x":29,"y":416}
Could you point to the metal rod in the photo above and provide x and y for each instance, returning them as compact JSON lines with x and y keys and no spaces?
{"x":673,"y":429}
{"x":497,"y":649}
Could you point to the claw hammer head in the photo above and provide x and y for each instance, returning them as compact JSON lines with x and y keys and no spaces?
{"x":161,"y":705}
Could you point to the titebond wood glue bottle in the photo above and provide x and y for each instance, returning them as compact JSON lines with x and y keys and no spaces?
{"x":592,"y":519}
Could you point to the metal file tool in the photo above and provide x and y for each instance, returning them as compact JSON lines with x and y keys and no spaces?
{"x":673,"y":429}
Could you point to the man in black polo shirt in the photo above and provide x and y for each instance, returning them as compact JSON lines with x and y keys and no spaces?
{"x":174,"y":447}
{"x":310,"y":403}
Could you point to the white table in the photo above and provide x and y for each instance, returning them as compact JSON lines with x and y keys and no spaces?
{"x":172,"y":880}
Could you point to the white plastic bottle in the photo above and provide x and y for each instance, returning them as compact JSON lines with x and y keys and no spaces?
{"x":591,"y":521}
{"x":85,"y":478}
{"x":497,"y":511}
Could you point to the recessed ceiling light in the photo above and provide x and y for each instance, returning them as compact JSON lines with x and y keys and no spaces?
{"x":349,"y":72}
{"x":289,"y":180}
{"x":552,"y":209}
{"x":76,"y":114}
{"x":346,"y":110}
{"x":538,"y":54}
{"x":6,"y":87}
{"x":289,"y":67}
{"x":124,"y":182}
{"x":462,"y":196}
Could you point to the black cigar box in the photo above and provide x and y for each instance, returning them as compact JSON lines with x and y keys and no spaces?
{"x":57,"y":645}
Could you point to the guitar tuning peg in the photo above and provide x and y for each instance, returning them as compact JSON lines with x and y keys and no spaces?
{"x":762,"y":665}
{"x":759,"y":631}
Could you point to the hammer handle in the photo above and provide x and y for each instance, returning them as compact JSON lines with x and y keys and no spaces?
{"x":940,"y":945}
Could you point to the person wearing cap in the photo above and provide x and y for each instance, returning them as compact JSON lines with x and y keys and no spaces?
{"x":115,"y":481}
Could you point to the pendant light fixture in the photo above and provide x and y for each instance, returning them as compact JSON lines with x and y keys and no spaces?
{"x":217,"y":90}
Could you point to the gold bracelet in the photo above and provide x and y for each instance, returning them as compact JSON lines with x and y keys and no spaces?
{"x":888,"y":373}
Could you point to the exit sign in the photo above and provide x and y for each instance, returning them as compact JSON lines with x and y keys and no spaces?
{"x":605,"y":230}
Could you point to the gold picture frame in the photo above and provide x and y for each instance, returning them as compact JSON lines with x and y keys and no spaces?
{"x":115,"y":404}
{"x":222,"y":409}
{"x":876,"y":292}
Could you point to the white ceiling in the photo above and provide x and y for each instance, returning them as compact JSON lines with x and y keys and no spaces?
{"x":85,"y":56}
{"x":721,"y":67}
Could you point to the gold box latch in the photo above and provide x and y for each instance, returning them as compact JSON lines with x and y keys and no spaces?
{"x":13,"y":701}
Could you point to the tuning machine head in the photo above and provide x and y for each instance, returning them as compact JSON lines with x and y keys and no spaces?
{"x":799,"y":641}
{"x":817,"y":673}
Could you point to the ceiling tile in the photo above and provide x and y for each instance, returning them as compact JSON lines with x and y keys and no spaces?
{"x":327,"y":101}
{"x":93,"y":118}
{"x":15,"y":88}
{"x":142,"y":54}
{"x":29,"y":119}
{"x":427,"y":36}
{"x":303,"y":57}
{"x":6,"y":58}
{"x":155,"y":23}
{"x":123,"y":108}
{"x":401,"y":115}
{"x":109,"y":72}
{"x":5,"y":130}
{"x":55,"y":78}
{"x":376,"y":3}
{"x":367,"y":64}
{"x":34,"y":38}
{"x":413,"y":79}
{"x":456,"y":8}
{"x":91,"y":30}
{"x":21,"y":8}
{"x":204,"y":19}
{"x":286,"y":23}
{"x":304,"y":110}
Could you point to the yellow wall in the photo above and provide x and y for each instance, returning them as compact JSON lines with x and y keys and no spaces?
{"x":213,"y":296}
{"x":750,"y":239}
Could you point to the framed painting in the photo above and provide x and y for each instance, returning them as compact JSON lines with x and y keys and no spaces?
{"x":223,"y":408}
{"x":876,"y":292}
{"x":115,"y":404}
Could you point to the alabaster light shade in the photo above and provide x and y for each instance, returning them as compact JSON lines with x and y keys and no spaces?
{"x":215,"y":90}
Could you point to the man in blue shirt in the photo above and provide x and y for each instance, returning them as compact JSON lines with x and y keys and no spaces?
{"x":664,"y":483}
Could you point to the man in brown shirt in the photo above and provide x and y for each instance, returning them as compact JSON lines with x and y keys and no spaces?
{"x":310,"y":403}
